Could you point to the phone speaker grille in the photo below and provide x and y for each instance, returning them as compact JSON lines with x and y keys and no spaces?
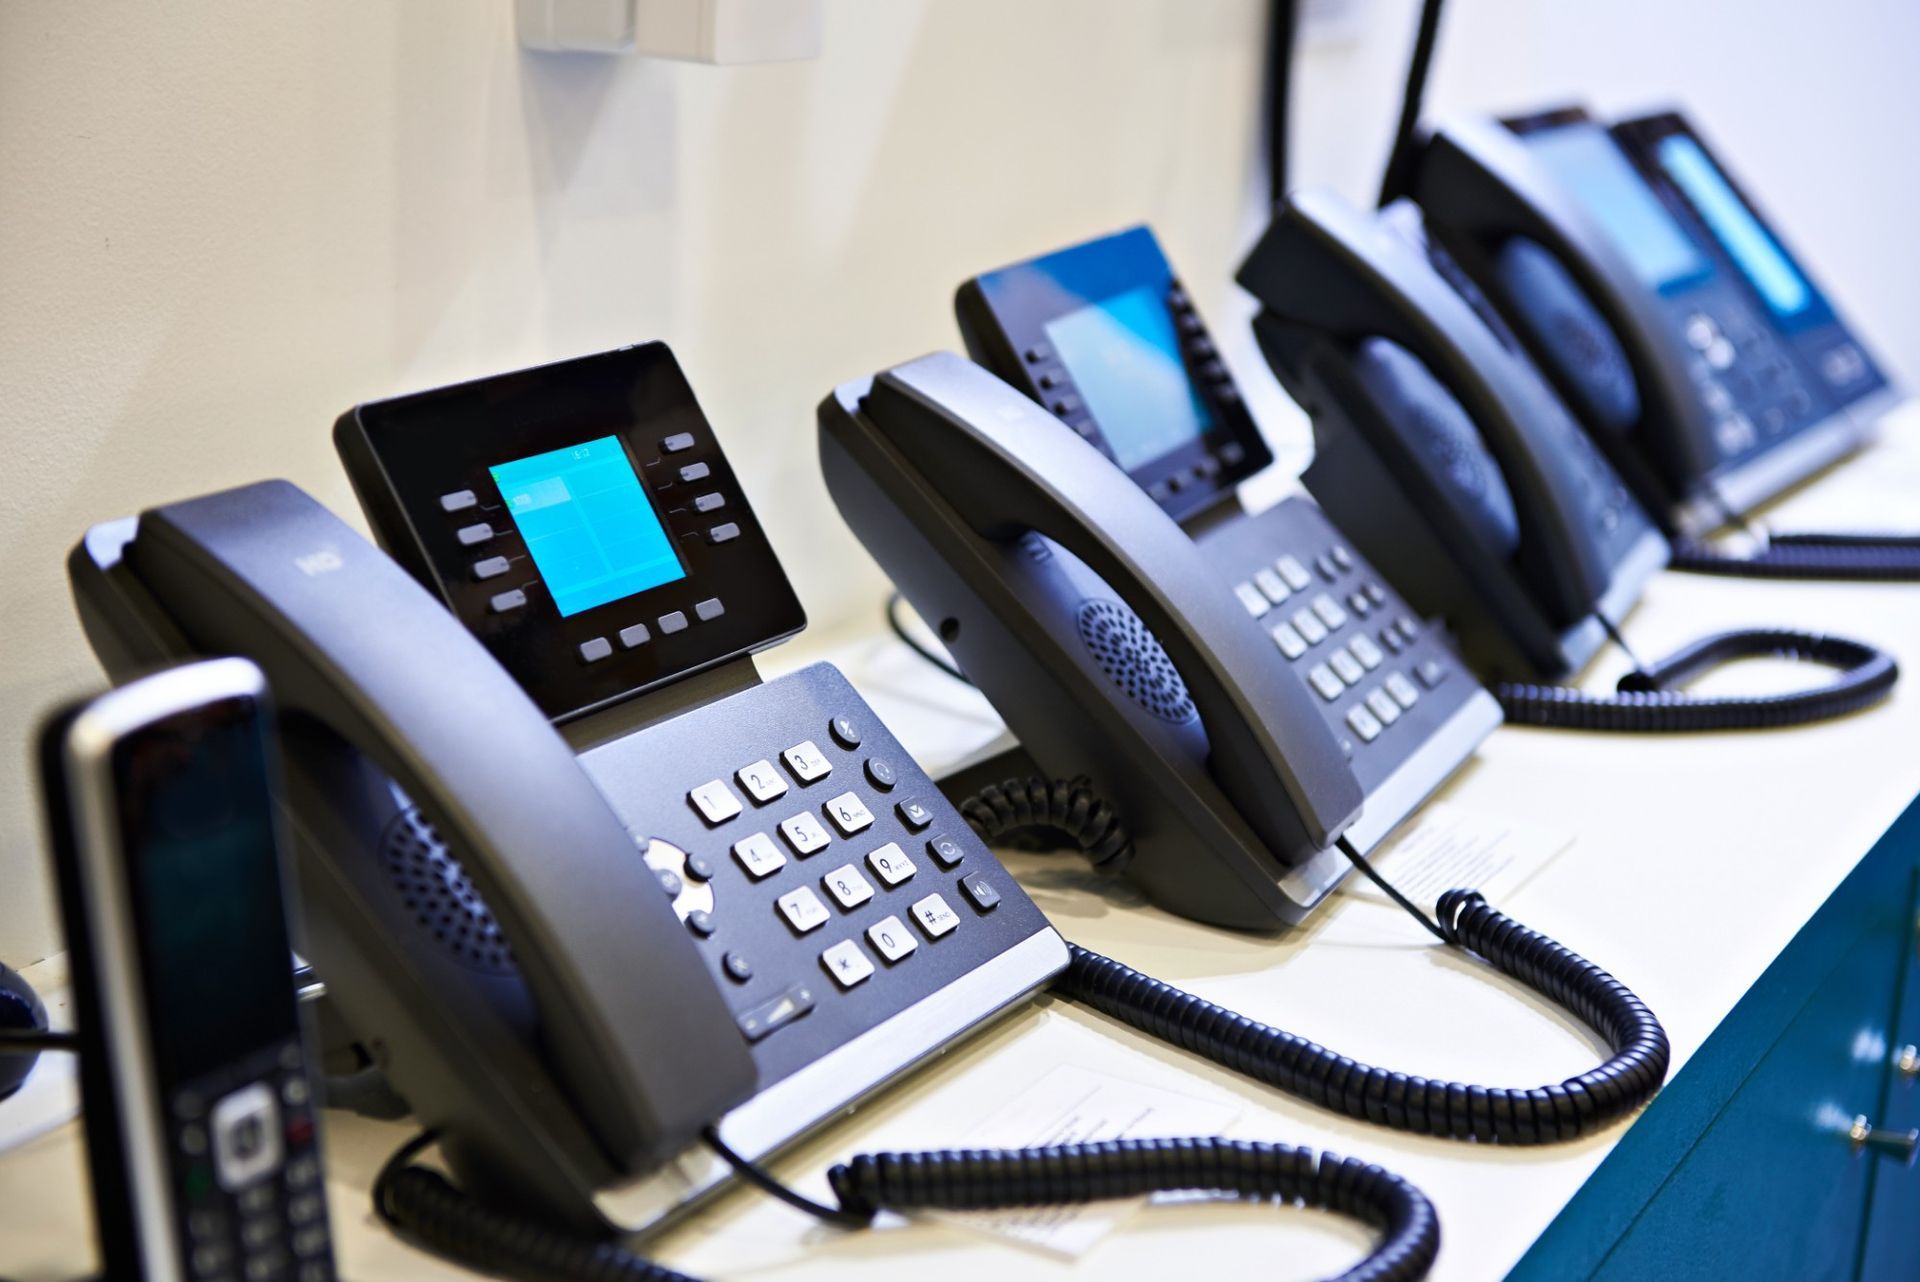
{"x":442,"y":898}
{"x":1132,"y":657}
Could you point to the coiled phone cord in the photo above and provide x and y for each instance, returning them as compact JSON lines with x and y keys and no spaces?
{"x":1400,"y":1101}
{"x":422,"y":1204}
{"x":1648,"y":702}
{"x":1871,"y":557}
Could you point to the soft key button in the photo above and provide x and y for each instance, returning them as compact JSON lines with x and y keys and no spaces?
{"x":595,"y":650}
{"x":632,"y":638}
{"x":759,"y":856}
{"x":709,"y":610}
{"x":934,"y":916}
{"x":891,"y":939}
{"x":762,"y":782}
{"x":474,"y":535}
{"x":695,"y":472}
{"x":715,"y":801}
{"x":709,"y":502}
{"x":507,"y":602}
{"x":849,"y":814}
{"x":846,"y":963}
{"x":458,"y":501}
{"x":677,"y":442}
{"x":807,"y":762}
{"x":803,"y":910}
{"x":723,"y":533}
{"x":491,"y":568}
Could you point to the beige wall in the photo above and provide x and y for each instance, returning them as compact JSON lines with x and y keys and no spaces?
{"x":222,"y":223}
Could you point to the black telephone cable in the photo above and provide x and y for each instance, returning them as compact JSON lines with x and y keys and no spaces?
{"x":1809,"y":555}
{"x":1567,"y":1110}
{"x":423,"y":1205}
{"x":1648,"y":699}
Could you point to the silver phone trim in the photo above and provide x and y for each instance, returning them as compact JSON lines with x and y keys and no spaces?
{"x":87,"y":757}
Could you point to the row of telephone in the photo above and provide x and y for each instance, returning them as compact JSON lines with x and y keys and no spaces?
{"x":602,"y":905}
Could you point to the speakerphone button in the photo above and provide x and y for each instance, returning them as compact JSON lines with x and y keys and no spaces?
{"x":676,"y":443}
{"x":980,"y":891}
{"x":723,"y":533}
{"x":502,"y":602}
{"x":595,"y":650}
{"x":491,"y":568}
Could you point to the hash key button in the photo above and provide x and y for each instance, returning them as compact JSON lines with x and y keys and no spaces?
{"x":934,"y":916}
{"x":891,"y":863}
{"x":849,"y":814}
{"x":846,"y":963}
{"x":914,"y":814}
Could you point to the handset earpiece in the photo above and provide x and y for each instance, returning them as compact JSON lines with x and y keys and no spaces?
{"x":1438,"y":429}
{"x":1569,"y":333}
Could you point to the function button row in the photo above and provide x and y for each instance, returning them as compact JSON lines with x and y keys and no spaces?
{"x":695,"y":472}
{"x":635,"y":635}
{"x":678,"y":443}
{"x":709,"y":502}
{"x":507,"y":602}
{"x":490,"y":568}
{"x":473,"y":535}
{"x":458,"y":501}
{"x":725,"y":532}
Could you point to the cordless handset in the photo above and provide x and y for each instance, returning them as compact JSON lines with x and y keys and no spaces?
{"x":201,"y":1125}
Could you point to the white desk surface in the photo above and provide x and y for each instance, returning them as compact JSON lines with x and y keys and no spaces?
{"x":1697,"y":858}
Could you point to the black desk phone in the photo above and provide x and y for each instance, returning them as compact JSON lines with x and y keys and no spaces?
{"x":1244,"y":682}
{"x":580,"y":882}
{"x":1672,"y":317}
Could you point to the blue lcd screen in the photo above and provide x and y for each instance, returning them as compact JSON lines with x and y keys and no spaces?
{"x":591,"y":531}
{"x":1125,"y":358}
{"x":1753,"y":250}
{"x":1587,"y":160}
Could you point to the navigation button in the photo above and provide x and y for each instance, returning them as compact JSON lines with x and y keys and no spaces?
{"x":595,"y":650}
{"x":503,"y":602}
{"x":473,"y":535}
{"x":491,"y":568}
{"x":458,"y":501}
{"x":723,"y":533}
{"x":695,"y":472}
{"x":677,"y":443}
{"x":914,"y":814}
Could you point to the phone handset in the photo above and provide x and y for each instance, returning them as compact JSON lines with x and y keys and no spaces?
{"x":630,"y":1018}
{"x":1367,"y":285}
{"x":1007,"y":467}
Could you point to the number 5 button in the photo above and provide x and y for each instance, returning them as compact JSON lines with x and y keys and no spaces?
{"x":891,"y":939}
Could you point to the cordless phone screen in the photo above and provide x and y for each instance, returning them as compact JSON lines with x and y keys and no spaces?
{"x":196,"y":821}
{"x":1757,"y":254}
{"x":1587,"y":161}
{"x":589,"y":527}
{"x":1125,"y":357}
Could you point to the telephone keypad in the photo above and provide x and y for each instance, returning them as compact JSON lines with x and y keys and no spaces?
{"x":848,"y":888}
{"x":807,"y":762}
{"x":759,"y":856}
{"x":846,"y":963}
{"x":1402,"y":690}
{"x":762,"y":782}
{"x":715,"y":802}
{"x":891,"y":939}
{"x":891,"y":863}
{"x":805,"y":834}
{"x":849,"y":814}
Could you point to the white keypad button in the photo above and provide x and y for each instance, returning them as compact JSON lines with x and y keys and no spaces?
{"x":1329,"y":611}
{"x":891,"y":863}
{"x":1271,"y":586}
{"x":1384,"y":707}
{"x":804,"y":833}
{"x":807,"y":762}
{"x":1291,"y":643}
{"x":1403,"y":691}
{"x":891,"y":939}
{"x":849,"y":814}
{"x":1364,"y":723}
{"x":1325,"y":682}
{"x":848,"y":888}
{"x":934,"y":916}
{"x":759,"y":856}
{"x":1366,"y":651}
{"x":1293,"y":572}
{"x":715,"y":801}
{"x":846,"y":963}
{"x":803,"y":909}
{"x":762,"y":782}
{"x":1346,"y":667}
{"x":1308,"y":625}
{"x":1250,"y":597}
